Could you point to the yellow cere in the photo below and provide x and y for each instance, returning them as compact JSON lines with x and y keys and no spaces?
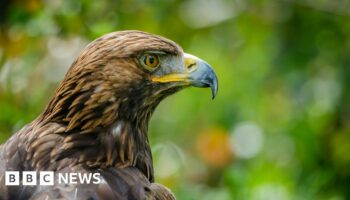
{"x":189,"y":62}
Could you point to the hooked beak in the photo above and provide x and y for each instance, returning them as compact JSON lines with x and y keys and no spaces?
{"x":201,"y":74}
{"x":197,"y":73}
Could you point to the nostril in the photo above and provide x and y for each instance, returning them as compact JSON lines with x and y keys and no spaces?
{"x":190,"y":66}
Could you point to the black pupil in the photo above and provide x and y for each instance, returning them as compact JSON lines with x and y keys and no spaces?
{"x":151,"y":59}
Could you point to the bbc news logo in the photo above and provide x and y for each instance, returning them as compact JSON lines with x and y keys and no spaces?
{"x":13,"y":178}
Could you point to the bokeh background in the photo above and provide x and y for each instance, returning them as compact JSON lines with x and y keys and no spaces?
{"x":279,"y":128}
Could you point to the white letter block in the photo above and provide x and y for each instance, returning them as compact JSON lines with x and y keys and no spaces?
{"x":46,"y":178}
{"x":11,"y":178}
{"x":29,"y":178}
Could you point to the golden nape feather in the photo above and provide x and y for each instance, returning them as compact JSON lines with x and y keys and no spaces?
{"x":97,"y":120}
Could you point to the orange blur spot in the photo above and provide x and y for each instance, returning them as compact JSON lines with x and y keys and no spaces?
{"x":213,"y":147}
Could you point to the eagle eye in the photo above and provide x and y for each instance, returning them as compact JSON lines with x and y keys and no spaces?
{"x":150,"y":61}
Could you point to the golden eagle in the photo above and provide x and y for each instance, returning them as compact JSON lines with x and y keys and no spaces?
{"x":98,"y":118}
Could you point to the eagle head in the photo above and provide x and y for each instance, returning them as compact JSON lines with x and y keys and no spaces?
{"x":124,"y":75}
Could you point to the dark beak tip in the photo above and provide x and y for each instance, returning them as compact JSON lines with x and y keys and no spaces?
{"x":214,"y":88}
{"x":213,"y":95}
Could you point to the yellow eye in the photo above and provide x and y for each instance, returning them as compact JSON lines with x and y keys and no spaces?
{"x":150,"y":61}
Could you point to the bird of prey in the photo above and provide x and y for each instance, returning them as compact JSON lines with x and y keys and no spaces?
{"x":98,"y":118}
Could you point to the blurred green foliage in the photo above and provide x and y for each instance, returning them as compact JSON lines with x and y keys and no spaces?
{"x":279,"y":127}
